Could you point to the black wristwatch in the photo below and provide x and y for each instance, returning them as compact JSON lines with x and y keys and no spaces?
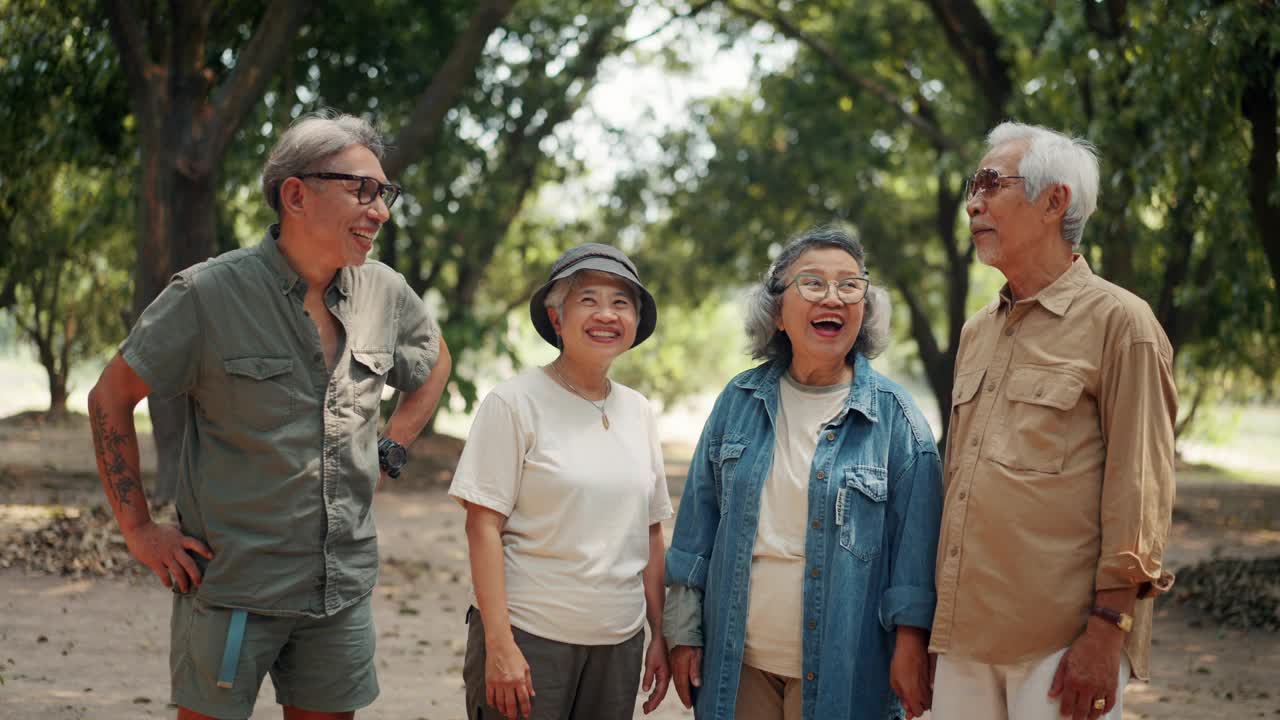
{"x":391,"y":456}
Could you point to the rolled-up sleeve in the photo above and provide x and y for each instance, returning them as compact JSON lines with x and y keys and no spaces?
{"x":697,"y":521}
{"x":164,"y":347}
{"x":916,"y":507}
{"x":1138,"y":407}
{"x":417,"y":342}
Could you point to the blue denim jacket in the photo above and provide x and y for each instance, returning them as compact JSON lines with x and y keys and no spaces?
{"x":875,"y":500}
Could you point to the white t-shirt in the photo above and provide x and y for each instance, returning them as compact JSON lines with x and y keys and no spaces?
{"x":775,"y":616}
{"x":579,"y":500}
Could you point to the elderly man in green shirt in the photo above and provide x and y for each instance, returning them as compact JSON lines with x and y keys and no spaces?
{"x":282,"y":351}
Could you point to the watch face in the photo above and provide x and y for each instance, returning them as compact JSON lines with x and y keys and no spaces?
{"x":395,"y":456}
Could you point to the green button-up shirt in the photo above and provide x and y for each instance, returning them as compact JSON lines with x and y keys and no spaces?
{"x":279,"y":458}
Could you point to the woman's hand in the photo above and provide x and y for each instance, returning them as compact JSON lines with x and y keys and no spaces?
{"x":657,"y":673}
{"x":686,"y":671}
{"x":909,"y":671}
{"x":508,"y":684}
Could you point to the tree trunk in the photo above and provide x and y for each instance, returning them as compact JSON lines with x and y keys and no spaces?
{"x":1259,"y":104}
{"x":186,"y":120}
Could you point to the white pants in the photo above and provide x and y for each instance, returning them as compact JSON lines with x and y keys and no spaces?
{"x":966,"y":690}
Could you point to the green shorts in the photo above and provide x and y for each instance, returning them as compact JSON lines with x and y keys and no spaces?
{"x":320,"y":664}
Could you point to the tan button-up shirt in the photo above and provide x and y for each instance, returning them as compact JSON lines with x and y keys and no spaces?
{"x":1058,"y":472}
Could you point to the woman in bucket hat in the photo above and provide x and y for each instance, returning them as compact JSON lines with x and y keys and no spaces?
{"x":563,"y":482}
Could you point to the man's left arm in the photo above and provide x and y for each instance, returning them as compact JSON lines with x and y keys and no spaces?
{"x":1138,"y":405}
{"x":416,"y":408}
{"x":420,"y":368}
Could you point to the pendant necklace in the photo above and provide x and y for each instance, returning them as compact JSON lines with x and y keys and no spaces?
{"x":608,"y":388}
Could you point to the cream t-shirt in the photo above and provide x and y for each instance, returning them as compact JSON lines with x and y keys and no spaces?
{"x":579,"y":500}
{"x":775,"y":616}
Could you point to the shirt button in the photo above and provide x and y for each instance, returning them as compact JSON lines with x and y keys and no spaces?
{"x":974,"y":442}
{"x":809,"y":676}
{"x":954,"y":551}
{"x":821,"y":475}
{"x":813,"y":624}
{"x":963,"y":494}
{"x":831,"y":437}
{"x":318,"y":357}
{"x":991,"y":387}
{"x":1039,"y":392}
{"x":816,"y":572}
{"x":817,"y":524}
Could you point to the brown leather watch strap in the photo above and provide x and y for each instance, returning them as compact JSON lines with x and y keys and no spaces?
{"x":1124,"y":621}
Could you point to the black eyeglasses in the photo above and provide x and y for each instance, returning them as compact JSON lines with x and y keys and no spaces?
{"x":986,"y":181}
{"x":370,"y":188}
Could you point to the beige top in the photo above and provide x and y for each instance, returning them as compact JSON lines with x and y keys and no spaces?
{"x":579,"y":500}
{"x":775,"y":616}
{"x":1059,"y":470}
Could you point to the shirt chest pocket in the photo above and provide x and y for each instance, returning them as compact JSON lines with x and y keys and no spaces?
{"x":724,"y":462}
{"x":1039,"y":407}
{"x":259,"y":392}
{"x":369,"y":370}
{"x":860,"y":504}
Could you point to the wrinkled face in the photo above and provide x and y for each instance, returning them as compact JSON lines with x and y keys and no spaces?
{"x":821,"y":332}
{"x":1004,"y":224}
{"x":599,"y":317}
{"x":339,"y":227}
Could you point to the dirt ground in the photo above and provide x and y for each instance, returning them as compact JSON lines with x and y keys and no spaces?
{"x":93,"y":648}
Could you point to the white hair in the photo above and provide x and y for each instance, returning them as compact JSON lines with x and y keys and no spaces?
{"x":1053,"y":158}
{"x":311,"y":139}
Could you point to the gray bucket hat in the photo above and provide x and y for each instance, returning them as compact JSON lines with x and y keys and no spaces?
{"x":601,"y":258}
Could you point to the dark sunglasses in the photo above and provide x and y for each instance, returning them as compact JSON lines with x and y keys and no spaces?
{"x":369,"y":190}
{"x":986,"y":181}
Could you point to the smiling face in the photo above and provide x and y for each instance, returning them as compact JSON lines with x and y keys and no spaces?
{"x":597,"y":322}
{"x":821,"y":333}
{"x":339,"y":228}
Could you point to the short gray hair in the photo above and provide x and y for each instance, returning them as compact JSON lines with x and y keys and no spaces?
{"x":561,"y":288}
{"x":764,"y":301}
{"x":1053,"y":158}
{"x":311,"y":139}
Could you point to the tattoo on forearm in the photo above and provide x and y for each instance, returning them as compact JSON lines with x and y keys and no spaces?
{"x":109,"y":443}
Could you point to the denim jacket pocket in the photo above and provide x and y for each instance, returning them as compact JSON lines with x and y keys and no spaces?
{"x":724,"y":460}
{"x":860,"y":507}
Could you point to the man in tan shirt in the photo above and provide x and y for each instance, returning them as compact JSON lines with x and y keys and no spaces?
{"x":1059,"y":466}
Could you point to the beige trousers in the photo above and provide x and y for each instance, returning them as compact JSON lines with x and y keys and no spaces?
{"x":765,"y":696}
{"x":965,"y":690}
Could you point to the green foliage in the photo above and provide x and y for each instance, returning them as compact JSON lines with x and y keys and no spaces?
{"x":64,"y":246}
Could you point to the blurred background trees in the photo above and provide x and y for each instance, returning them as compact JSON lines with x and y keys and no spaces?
{"x":133,"y":134}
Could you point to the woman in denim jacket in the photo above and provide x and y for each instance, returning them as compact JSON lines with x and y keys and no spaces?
{"x":801,"y":570}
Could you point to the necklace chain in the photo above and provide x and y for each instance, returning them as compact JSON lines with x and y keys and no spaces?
{"x":608,"y":388}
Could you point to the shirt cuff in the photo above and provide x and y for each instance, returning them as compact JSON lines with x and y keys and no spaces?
{"x":682,"y":617}
{"x":907,"y":605}
{"x":684,"y":568}
{"x":1126,"y":570}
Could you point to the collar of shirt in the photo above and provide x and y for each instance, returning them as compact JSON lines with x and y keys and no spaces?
{"x":289,"y":280}
{"x":765,"y":379}
{"x":1057,"y":297}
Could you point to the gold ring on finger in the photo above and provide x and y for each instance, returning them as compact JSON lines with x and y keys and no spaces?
{"x":1099,"y":703}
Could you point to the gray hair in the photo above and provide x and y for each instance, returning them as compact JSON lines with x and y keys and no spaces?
{"x":311,"y":139}
{"x":1053,"y":158}
{"x":561,"y":288}
{"x":764,"y":301}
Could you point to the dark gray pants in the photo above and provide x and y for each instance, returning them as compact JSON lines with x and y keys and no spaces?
{"x":572,"y":682}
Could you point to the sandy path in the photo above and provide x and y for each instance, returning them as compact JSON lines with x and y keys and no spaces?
{"x":79,"y":649}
